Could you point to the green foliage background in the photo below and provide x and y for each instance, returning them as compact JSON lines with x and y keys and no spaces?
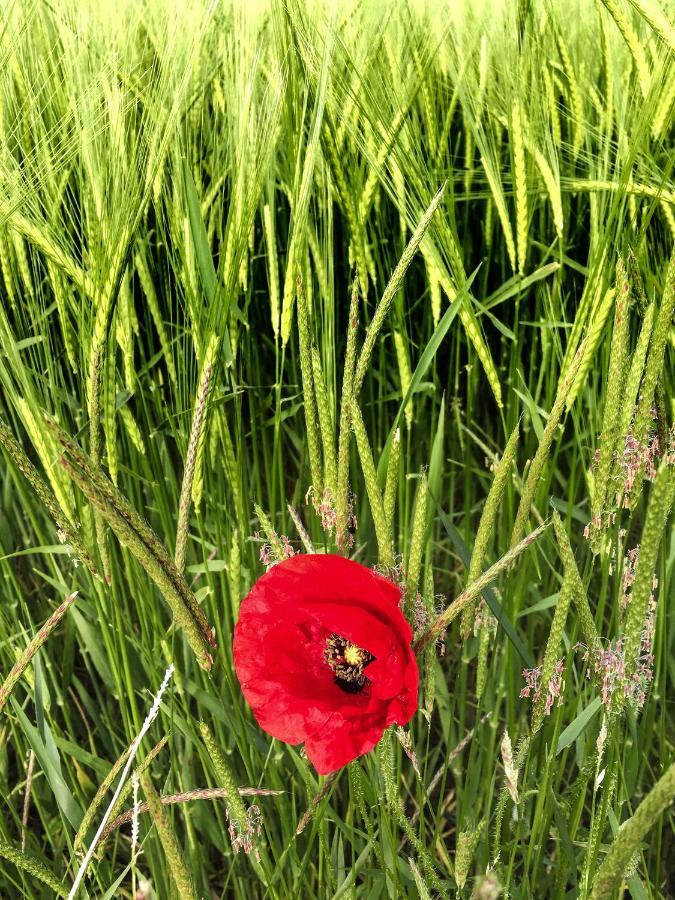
{"x":168,"y":169}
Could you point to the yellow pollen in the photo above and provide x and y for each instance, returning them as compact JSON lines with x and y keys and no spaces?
{"x":353,"y":655}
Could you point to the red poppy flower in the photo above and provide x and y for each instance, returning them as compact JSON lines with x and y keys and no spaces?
{"x":322,"y":652}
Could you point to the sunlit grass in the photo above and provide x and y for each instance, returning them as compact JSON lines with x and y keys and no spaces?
{"x":231,"y":238}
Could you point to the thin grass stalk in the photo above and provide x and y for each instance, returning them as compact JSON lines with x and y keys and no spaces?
{"x":443,"y":620}
{"x":552,"y":184}
{"x":552,"y":104}
{"x":146,"y":542}
{"x":395,"y":805}
{"x":184,"y":797}
{"x":272,"y":266}
{"x":33,"y":866}
{"x":124,"y":332}
{"x":660,"y":503}
{"x":236,"y":810}
{"x":103,"y":317}
{"x":591,"y":344}
{"x":598,"y":822}
{"x":375,"y":170}
{"x":24,"y":660}
{"x":303,"y":534}
{"x":636,"y":371}
{"x":325,"y":425}
{"x":540,"y":459}
{"x":173,"y":853}
{"x":434,"y":280}
{"x":133,"y":750}
{"x":494,"y":183}
{"x":404,"y":373}
{"x":631,"y":189}
{"x":148,"y":287}
{"x":426,"y":859}
{"x":316,"y":801}
{"x":454,"y":753}
{"x":308,"y":393}
{"x":391,"y":485}
{"x":576,"y":106}
{"x":234,"y":569}
{"x":471,"y":327}
{"x":389,"y":293}
{"x":109,"y":409}
{"x":342,"y":499}
{"x":417,"y":544}
{"x":300,"y":200}
{"x":372,"y":489}
{"x":101,"y":791}
{"x":126,"y":792}
{"x":655,"y":358}
{"x":614,"y":395}
{"x":206,"y":382}
{"x":520,"y":183}
{"x":183,"y":615}
{"x":47,"y":498}
{"x":553,"y":644}
{"x":484,"y":632}
{"x":195,"y":442}
{"x":356,"y":790}
{"x":25,"y":812}
{"x":627,"y":841}
{"x":487,"y":523}
{"x":231,"y":467}
{"x":579,"y":596}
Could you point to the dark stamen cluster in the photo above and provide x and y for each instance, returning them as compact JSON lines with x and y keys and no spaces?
{"x":347,"y":662}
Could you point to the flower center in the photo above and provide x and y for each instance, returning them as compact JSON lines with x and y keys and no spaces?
{"x":347,"y":660}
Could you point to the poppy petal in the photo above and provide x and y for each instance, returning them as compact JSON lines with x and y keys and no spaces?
{"x":285,"y":627}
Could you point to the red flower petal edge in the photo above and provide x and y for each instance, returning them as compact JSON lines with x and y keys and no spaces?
{"x":322,"y":652}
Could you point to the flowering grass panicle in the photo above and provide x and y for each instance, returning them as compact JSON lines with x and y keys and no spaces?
{"x":467,"y":841}
{"x":544,"y":691}
{"x":244,"y":825}
{"x":510,"y":767}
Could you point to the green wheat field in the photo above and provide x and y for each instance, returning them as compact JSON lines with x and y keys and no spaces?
{"x":391,"y":280}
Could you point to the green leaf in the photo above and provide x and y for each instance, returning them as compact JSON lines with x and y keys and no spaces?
{"x":51,"y":766}
{"x":100,"y":766}
{"x":574,"y":729}
{"x":92,"y":642}
{"x":200,"y":238}
{"x":487,"y":593}
{"x":545,"y":603}
{"x":436,"y":463}
{"x":518,"y":284}
{"x":207,"y":271}
{"x":425,"y":361}
{"x":535,"y":413}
